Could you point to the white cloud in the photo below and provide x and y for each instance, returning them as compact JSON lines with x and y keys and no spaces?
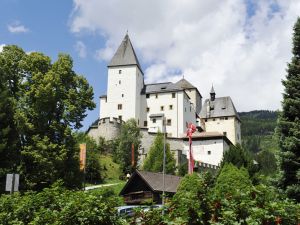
{"x":17,"y":27}
{"x":81,"y":49}
{"x":1,"y":47}
{"x":208,"y":41}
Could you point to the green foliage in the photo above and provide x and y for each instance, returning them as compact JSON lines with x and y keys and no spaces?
{"x":257,"y":130}
{"x":154,"y":159}
{"x":93,"y":170}
{"x":288,"y":128}
{"x":9,"y":143}
{"x":258,"y":122}
{"x":111,"y":170}
{"x":231,"y":180}
{"x":239,"y":157}
{"x":57,"y":205}
{"x":191,"y":203}
{"x":183,"y":169}
{"x":130,"y":134}
{"x":267,"y":162}
{"x":47,"y":101}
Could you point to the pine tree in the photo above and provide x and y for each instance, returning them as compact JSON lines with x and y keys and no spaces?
{"x":154,"y":159}
{"x":288,"y":126}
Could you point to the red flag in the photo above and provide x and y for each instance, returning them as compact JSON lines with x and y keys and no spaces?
{"x":132,"y":155}
{"x":191,"y":129}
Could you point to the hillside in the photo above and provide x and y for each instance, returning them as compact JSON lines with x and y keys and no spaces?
{"x":258,"y":129}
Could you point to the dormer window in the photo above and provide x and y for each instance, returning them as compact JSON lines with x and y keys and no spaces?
{"x":120,"y":71}
{"x":163,"y":88}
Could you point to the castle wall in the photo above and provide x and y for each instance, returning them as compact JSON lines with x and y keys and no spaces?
{"x":222,"y":125}
{"x":108,"y":128}
{"x":176,"y":146}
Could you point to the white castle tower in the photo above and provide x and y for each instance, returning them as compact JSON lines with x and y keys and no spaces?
{"x":124,"y":86}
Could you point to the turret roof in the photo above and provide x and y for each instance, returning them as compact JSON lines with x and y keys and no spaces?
{"x":220,"y":107}
{"x":125,"y":55}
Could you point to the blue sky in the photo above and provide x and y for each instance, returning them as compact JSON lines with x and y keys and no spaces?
{"x":242,"y":47}
{"x":48,"y":32}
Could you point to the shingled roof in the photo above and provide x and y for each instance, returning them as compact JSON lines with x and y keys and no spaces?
{"x":154,"y":181}
{"x":161,"y":87}
{"x":125,"y":55}
{"x":183,"y":83}
{"x":220,"y":107}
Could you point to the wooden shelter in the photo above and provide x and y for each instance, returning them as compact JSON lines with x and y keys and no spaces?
{"x":145,"y":186}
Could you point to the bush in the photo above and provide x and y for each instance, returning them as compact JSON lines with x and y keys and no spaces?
{"x":57,"y":205}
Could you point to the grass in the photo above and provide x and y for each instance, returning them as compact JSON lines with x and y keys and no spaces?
{"x":111,"y":171}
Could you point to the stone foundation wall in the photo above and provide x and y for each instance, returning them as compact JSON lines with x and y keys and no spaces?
{"x":176,"y":146}
{"x":108,"y":128}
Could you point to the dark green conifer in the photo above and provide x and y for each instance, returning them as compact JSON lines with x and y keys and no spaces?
{"x":288,"y":126}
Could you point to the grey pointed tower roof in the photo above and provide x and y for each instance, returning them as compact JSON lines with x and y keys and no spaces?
{"x":212,"y":90}
{"x":125,"y":55}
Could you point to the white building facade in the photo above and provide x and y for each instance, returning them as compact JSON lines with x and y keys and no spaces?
{"x":166,"y":107}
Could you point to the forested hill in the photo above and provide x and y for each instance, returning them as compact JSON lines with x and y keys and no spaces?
{"x":258,"y":129}
{"x":258,"y":122}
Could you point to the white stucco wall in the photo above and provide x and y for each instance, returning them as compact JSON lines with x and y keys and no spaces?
{"x":230,"y":126}
{"x":154,"y":104}
{"x":186,"y":112}
{"x":123,"y":88}
{"x":201,"y":149}
{"x":195,"y":99}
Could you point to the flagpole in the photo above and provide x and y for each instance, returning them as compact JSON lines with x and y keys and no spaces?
{"x":164,"y":161}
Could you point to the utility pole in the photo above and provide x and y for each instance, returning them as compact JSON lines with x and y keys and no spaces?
{"x":164,"y":161}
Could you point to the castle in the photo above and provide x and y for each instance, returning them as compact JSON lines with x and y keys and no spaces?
{"x":168,"y":107}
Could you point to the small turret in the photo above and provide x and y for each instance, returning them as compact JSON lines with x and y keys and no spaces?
{"x":212,"y":93}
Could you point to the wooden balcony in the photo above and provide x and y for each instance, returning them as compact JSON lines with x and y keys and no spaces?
{"x":138,"y":197}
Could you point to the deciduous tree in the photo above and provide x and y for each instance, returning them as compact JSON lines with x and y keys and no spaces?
{"x":50,"y":100}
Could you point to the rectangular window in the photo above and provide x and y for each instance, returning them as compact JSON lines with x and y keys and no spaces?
{"x":147,"y":95}
{"x":154,"y":120}
{"x":205,"y":120}
{"x":208,"y":152}
{"x":147,"y":109}
{"x":225,"y":133}
{"x":120,"y":71}
{"x":161,"y":108}
{"x":122,"y":95}
{"x":120,"y":118}
{"x":119,"y":106}
{"x":170,"y":107}
{"x":173,"y":95}
{"x":169,"y":122}
{"x":214,"y":119}
{"x":156,"y":95}
{"x":226,"y":118}
{"x":145,"y":123}
{"x":119,"y":81}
